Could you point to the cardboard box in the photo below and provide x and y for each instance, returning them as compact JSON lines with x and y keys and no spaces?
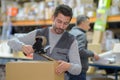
{"x":86,"y":1}
{"x":95,"y":47}
{"x":97,"y":37}
{"x":32,"y":70}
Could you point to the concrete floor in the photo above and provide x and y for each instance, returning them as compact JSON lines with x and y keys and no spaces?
{"x":100,"y":77}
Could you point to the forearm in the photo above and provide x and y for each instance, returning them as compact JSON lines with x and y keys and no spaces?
{"x":75,"y":69}
{"x":85,"y":52}
{"x":27,"y":39}
{"x":74,"y":58}
{"x":15,"y":44}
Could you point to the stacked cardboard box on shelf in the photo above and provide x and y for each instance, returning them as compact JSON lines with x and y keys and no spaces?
{"x":84,"y":7}
{"x":115,"y":7}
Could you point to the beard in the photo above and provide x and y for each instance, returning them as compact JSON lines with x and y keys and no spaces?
{"x":58,"y":30}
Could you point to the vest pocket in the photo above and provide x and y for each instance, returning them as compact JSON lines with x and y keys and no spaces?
{"x":63,"y":54}
{"x":60,"y":54}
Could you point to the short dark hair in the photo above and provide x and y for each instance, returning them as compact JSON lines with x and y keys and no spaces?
{"x":81,"y":18}
{"x":64,"y":9}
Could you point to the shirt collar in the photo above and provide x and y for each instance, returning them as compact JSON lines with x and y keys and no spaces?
{"x":80,"y":29}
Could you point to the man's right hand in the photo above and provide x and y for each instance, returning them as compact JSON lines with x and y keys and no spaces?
{"x":27,"y":49}
{"x":96,"y":57}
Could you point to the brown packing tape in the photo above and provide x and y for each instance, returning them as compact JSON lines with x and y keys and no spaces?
{"x":43,"y":44}
{"x":44,"y":40}
{"x":47,"y":57}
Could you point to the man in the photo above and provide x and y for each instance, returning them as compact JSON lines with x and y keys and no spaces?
{"x":63,"y":46}
{"x":79,"y":31}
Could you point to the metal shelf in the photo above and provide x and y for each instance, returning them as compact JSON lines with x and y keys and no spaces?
{"x":115,"y":18}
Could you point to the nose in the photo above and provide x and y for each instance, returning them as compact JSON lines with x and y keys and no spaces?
{"x":62,"y":26}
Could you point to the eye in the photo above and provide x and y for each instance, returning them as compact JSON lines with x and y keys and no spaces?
{"x":66,"y":23}
{"x":59,"y":21}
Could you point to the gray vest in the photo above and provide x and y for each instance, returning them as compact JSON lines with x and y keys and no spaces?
{"x":61,"y":49}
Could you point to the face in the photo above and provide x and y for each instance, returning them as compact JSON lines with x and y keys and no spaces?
{"x":60,"y":23}
{"x":86,"y":25}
